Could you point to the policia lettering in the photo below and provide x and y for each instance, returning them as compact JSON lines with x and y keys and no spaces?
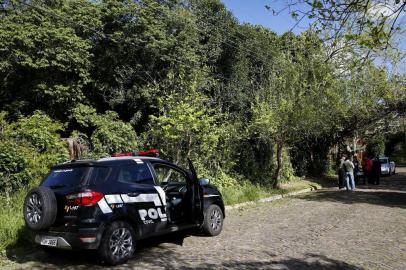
{"x":159,"y":199}
{"x":152,"y":213}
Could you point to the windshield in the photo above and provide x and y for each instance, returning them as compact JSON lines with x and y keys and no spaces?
{"x":66,"y":177}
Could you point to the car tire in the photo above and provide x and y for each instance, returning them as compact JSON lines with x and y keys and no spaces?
{"x":40,"y":208}
{"x":117,"y":244}
{"x":213,"y":220}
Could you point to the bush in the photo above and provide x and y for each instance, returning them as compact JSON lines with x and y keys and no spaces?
{"x":185,"y":127}
{"x":13,"y":166}
{"x":113,"y":135}
{"x":107,"y":133}
{"x":28,"y":147}
{"x":40,"y":131}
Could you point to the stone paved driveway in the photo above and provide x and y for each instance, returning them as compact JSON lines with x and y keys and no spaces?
{"x":328,"y":229}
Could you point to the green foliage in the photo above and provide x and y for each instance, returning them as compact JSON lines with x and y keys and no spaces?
{"x":38,"y":130}
{"x":28,"y":147}
{"x":185,"y":127}
{"x":13,"y":166}
{"x":375,"y":146}
{"x":395,"y":147}
{"x":107,"y":133}
{"x":43,"y":62}
{"x":244,"y":192}
{"x":12,"y":230}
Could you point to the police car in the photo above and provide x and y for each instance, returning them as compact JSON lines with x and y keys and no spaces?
{"x":110,"y":203}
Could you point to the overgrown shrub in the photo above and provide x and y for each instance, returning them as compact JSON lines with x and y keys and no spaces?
{"x":186,"y":127}
{"x":14,"y":164}
{"x":40,"y":131}
{"x":107,"y":133}
{"x":28,"y":147}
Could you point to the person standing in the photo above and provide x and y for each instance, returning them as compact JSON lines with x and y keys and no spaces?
{"x":367,"y":168}
{"x":356,"y":168}
{"x":376,"y":171}
{"x":341,"y":172}
{"x":349,"y":174}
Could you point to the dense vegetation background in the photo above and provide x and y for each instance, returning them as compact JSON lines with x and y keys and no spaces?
{"x":250,"y":107}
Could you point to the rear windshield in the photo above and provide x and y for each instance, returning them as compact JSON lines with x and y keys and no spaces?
{"x":67,"y":177}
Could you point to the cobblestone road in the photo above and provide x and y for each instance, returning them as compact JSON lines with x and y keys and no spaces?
{"x":328,"y":229}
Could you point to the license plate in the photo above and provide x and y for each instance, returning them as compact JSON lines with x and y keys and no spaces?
{"x":52,"y":242}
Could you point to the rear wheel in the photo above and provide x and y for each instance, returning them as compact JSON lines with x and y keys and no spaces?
{"x":118,"y":243}
{"x":213,"y":220}
{"x":40,"y":208}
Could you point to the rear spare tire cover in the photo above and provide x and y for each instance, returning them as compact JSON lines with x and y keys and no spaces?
{"x":40,"y":208}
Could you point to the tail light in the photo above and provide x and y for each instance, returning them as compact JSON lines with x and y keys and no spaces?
{"x":84,"y":198}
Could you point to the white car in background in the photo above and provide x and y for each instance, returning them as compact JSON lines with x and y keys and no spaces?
{"x":388,"y":167}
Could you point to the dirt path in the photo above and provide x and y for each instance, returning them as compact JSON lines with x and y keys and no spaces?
{"x":328,"y":229}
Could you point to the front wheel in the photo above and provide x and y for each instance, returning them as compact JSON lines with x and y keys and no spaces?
{"x":118,"y":243}
{"x":213,"y":220}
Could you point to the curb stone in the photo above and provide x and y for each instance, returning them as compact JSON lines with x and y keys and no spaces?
{"x":270,"y":199}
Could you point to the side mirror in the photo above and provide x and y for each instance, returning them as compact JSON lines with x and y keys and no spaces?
{"x":204,"y":181}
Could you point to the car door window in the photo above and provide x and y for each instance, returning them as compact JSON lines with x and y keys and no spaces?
{"x":99,"y":175}
{"x":135,"y":174}
{"x":166,"y":175}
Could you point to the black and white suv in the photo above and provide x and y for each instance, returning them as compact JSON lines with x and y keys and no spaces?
{"x":110,"y":203}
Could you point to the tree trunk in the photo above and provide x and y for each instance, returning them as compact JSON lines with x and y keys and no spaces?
{"x":279,"y":147}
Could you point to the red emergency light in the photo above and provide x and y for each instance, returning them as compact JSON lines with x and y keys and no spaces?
{"x":149,"y":153}
{"x":122,"y":154}
{"x":152,"y":152}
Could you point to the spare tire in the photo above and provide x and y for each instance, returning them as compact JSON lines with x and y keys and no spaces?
{"x":40,"y":208}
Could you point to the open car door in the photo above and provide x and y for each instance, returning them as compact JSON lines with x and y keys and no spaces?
{"x":197,"y":201}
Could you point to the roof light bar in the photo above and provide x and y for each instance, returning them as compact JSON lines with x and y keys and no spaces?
{"x":152,"y":152}
{"x":149,"y":153}
{"x":122,"y":154}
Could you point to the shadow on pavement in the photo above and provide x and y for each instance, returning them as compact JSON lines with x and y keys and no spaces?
{"x":147,"y":251}
{"x":311,"y":262}
{"x":165,"y":258}
{"x":391,"y":193}
{"x":389,"y":198}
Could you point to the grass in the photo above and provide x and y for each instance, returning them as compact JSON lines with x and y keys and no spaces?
{"x":12,"y":230}
{"x":251,"y":192}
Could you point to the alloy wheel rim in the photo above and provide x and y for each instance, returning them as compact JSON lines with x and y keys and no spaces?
{"x":120,"y":243}
{"x":34,"y":208}
{"x":215,"y":220}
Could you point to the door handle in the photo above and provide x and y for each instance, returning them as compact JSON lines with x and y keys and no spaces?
{"x":133,"y":194}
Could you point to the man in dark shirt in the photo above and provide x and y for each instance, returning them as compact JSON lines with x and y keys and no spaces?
{"x":376,"y":171}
